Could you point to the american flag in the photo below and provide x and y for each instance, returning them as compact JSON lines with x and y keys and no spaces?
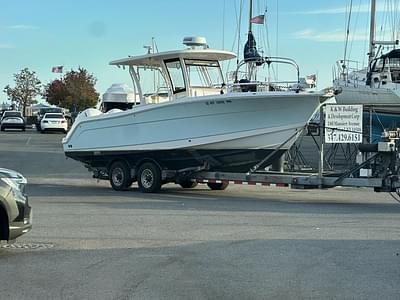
{"x":311,"y":79}
{"x":257,"y":20}
{"x":57,"y":69}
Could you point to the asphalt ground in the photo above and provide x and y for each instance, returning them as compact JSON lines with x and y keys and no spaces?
{"x":90,"y":242}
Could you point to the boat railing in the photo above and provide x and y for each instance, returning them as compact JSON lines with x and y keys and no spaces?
{"x":244,"y":80}
{"x":260,"y":86}
{"x":348,"y":72}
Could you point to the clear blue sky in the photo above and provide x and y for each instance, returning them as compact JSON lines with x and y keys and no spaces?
{"x":88,"y":33}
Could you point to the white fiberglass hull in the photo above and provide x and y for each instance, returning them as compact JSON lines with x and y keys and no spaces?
{"x":232,"y":122}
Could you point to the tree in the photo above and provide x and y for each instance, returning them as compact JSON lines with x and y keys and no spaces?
{"x":75,"y":91}
{"x":27,"y":87}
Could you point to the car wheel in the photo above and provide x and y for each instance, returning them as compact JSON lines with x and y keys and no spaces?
{"x":4,"y":227}
{"x":217,"y":186}
{"x":149,"y":178}
{"x":2,"y":128}
{"x":120,"y":177}
{"x":23,"y":129}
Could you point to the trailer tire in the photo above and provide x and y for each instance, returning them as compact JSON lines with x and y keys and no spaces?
{"x":217,"y":186}
{"x":119,"y":176}
{"x":188,"y":184}
{"x":149,"y":178}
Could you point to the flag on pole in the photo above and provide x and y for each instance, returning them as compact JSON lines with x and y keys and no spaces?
{"x":257,"y":20}
{"x":57,"y":69}
{"x":311,"y":79}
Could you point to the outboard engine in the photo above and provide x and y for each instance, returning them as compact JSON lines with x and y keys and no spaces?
{"x":118,"y":96}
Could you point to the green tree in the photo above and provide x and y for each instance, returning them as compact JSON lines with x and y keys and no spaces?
{"x":75,"y":91}
{"x":27,"y":87}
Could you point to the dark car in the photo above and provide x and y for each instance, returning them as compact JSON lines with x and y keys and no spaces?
{"x":12,"y":119}
{"x":15,"y":212}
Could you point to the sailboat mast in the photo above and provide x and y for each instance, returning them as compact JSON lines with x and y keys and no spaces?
{"x":371,"y":53}
{"x":250,"y":14}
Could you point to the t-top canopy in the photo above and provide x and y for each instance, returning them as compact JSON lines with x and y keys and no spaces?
{"x":154,"y":59}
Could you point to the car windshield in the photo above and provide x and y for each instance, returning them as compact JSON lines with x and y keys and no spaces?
{"x":54,"y":116}
{"x":12,"y":114}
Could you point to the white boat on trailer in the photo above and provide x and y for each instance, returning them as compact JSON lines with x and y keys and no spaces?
{"x":192,"y":121}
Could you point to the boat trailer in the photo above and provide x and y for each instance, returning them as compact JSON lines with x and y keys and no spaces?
{"x":379,"y":169}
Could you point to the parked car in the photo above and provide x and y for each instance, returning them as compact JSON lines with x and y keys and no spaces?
{"x":12,"y":119}
{"x":44,"y":111}
{"x":54,"y":122}
{"x":15,"y":212}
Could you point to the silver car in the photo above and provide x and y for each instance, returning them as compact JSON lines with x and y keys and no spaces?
{"x":12,"y":119}
{"x":15,"y":212}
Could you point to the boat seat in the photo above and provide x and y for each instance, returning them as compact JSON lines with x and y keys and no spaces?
{"x":247,"y":86}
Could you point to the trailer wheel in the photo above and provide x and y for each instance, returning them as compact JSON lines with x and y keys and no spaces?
{"x":119,"y":175}
{"x":220,"y":186}
{"x":149,"y":178}
{"x":188,"y":184}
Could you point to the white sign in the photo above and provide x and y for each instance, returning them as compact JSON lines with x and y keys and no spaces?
{"x":343,"y":123}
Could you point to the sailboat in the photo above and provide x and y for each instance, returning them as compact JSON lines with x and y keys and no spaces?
{"x":193,"y":120}
{"x":376,"y":87}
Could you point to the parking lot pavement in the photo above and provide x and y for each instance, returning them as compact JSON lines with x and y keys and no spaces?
{"x":90,"y":242}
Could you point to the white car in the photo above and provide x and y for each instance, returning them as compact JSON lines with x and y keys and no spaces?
{"x":53,"y":122}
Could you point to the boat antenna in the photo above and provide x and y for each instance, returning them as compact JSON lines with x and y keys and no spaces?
{"x":276,"y":36}
{"x":239,"y":25}
{"x":223,"y":25}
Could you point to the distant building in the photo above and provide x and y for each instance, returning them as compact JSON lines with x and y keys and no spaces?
{"x":36,"y":108}
{"x":5,"y":106}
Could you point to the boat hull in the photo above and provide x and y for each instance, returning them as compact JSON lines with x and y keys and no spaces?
{"x":229,"y":160}
{"x":379,"y":99}
{"x":230,"y":132}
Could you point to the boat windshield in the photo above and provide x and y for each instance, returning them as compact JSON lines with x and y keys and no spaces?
{"x":381,"y":63}
{"x":204,"y":73}
{"x":175,"y":72}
